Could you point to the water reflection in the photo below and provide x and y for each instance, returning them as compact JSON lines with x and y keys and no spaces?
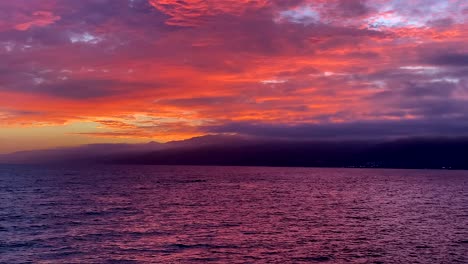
{"x":232,"y":215}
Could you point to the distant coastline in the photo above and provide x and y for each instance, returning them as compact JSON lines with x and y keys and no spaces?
{"x":415,"y":153}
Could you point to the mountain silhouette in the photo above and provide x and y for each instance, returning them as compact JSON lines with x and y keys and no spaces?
{"x":435,"y":153}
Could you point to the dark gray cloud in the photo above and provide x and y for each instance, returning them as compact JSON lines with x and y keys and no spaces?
{"x":441,"y":22}
{"x":350,"y":130}
{"x":74,"y":88}
{"x":450,"y":59}
{"x":353,"y":8}
{"x":440,"y":89}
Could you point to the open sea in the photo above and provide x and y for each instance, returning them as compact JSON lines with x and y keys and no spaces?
{"x":183,"y":214}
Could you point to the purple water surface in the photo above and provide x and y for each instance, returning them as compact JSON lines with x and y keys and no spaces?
{"x":164,"y":214}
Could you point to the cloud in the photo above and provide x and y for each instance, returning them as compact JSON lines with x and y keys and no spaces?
{"x":78,"y":89}
{"x":349,"y":130}
{"x":195,"y":12}
{"x":451,"y":59}
{"x":353,"y":8}
{"x":266,"y":65}
{"x":38,"y":19}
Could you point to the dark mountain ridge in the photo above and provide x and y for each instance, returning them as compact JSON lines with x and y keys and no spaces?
{"x":431,"y":153}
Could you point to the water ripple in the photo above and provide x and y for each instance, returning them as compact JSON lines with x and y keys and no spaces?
{"x":152,"y":214}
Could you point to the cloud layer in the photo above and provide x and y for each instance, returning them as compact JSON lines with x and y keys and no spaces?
{"x":173,"y":69}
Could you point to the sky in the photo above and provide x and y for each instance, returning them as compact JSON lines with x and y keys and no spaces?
{"x":108,"y":71}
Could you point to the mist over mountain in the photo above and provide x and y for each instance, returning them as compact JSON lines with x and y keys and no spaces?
{"x":98,"y":153}
{"x":435,"y":153}
{"x":76,"y":154}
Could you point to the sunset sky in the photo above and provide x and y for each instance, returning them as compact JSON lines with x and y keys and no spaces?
{"x":97,"y":71}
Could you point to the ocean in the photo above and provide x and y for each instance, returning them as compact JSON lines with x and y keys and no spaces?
{"x":186,"y":214}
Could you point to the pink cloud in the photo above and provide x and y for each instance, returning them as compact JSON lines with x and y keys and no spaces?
{"x":38,"y":19}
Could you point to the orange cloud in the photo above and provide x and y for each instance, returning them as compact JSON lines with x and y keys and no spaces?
{"x":193,"y":12}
